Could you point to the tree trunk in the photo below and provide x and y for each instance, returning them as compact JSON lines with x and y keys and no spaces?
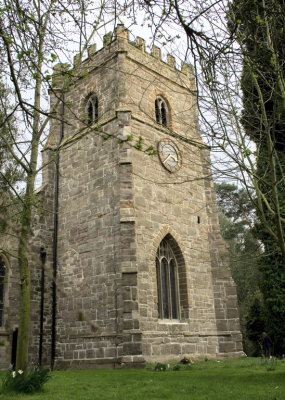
{"x":25,"y":278}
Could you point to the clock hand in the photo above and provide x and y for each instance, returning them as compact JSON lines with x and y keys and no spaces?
{"x":171,"y":156}
{"x":166,"y":158}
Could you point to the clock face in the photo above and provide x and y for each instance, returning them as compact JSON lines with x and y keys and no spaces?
{"x":169,"y":155}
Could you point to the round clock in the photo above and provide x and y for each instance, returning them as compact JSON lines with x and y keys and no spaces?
{"x":169,"y":155}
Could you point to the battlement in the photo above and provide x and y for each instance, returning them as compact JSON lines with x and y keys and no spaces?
{"x":121,"y":38}
{"x":123,"y":33}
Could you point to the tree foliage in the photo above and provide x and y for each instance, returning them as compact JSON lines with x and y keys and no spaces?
{"x":33,"y":36}
{"x":10,"y":172}
{"x":234,"y":44}
{"x":254,"y":325}
{"x":237,"y":218}
{"x":259,"y":28}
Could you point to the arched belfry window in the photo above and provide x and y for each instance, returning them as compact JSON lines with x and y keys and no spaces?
{"x":2,"y":289}
{"x":167,"y":281}
{"x":161,"y":112}
{"x":92,"y":109}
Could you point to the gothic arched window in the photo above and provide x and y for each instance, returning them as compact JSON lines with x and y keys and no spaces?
{"x":161,"y":112}
{"x":92,"y":109}
{"x":167,"y":281}
{"x":2,"y":287}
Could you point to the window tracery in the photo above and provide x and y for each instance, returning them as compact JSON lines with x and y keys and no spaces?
{"x":167,"y":281}
{"x":161,"y":112}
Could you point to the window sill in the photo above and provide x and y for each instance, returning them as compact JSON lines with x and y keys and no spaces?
{"x":172,"y":322}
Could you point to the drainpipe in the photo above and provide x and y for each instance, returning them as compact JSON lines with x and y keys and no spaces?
{"x":43,"y":262}
{"x":55,"y":237}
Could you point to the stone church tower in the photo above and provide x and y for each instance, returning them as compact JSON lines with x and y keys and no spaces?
{"x":129,"y":223}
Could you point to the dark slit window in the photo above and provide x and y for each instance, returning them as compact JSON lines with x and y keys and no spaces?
{"x":92,"y":109}
{"x":2,"y":287}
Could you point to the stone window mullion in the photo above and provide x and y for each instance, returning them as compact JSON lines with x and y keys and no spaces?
{"x":169,"y":290}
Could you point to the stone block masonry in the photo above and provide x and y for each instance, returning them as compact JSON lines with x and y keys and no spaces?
{"x":142,"y":270}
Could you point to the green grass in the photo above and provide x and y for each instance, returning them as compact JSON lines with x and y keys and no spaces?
{"x":243,"y":379}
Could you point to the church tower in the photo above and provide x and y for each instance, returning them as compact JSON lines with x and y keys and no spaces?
{"x":141,"y":268}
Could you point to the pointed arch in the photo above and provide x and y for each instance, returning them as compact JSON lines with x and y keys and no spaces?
{"x":92,"y":108}
{"x":162,"y":111}
{"x":171,"y":280}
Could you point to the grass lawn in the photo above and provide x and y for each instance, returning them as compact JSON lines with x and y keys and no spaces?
{"x":243,"y":379}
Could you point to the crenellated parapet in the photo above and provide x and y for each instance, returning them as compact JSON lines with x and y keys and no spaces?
{"x":60,"y":73}
{"x":118,"y":41}
{"x":122,"y":33}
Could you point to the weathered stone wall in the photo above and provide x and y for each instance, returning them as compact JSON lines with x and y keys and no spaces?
{"x":115,"y":205}
{"x":41,"y":261}
{"x":10,"y":317}
{"x":42,"y":232}
{"x":88,"y":233}
{"x":182,"y":204}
